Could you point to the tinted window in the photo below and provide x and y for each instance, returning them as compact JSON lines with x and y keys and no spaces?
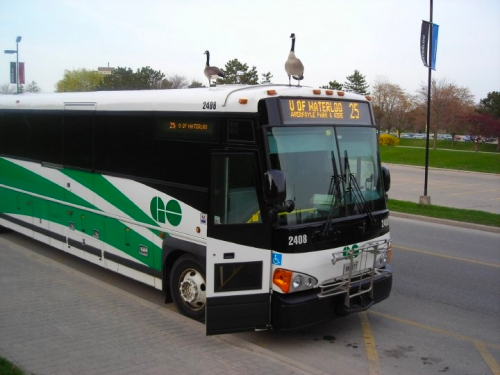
{"x":32,"y":135}
{"x":78,"y":134}
{"x":124,"y":144}
{"x":46,"y":137}
{"x":240,"y":130}
{"x":14,"y":135}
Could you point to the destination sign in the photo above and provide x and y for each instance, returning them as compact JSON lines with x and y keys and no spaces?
{"x":185,"y":128}
{"x":319,"y":111}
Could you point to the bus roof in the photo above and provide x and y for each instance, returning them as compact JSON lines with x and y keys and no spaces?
{"x":222,"y":98}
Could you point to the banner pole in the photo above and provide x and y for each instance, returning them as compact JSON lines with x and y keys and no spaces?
{"x":429,"y":83}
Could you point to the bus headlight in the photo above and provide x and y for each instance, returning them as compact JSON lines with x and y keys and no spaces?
{"x":296,"y":282}
{"x":289,"y":281}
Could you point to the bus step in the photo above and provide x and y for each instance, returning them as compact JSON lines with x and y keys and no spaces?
{"x":363,"y":305}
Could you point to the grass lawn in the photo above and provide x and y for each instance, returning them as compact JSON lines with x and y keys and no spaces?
{"x":442,"y":158}
{"x":444,"y":144}
{"x":440,"y":212}
{"x":7,"y":368}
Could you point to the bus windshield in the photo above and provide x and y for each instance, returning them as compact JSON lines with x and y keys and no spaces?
{"x":331,"y":172}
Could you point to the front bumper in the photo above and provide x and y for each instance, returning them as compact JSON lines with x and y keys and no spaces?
{"x":299,"y":310}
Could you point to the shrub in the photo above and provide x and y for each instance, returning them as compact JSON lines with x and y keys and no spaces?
{"x":388,"y":140}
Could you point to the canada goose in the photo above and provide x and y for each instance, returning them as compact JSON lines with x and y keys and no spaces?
{"x":211,"y":72}
{"x":293,"y":65}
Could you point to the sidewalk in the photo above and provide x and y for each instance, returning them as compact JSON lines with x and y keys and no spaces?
{"x":55,"y":320}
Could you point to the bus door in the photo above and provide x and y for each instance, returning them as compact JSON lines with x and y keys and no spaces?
{"x":238,"y":256}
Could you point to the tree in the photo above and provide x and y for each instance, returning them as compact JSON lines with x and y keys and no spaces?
{"x":491,"y":106}
{"x":393,"y":107}
{"x":237,"y":72}
{"x":125,"y":79}
{"x":149,"y":79}
{"x":174,"y":82}
{"x":449,"y":103}
{"x":77,"y":80}
{"x":119,"y":79}
{"x":333,"y":85}
{"x":356,"y":83}
{"x":266,"y":78}
{"x":480,"y":126}
{"x":7,"y":89}
{"x":194,"y":84}
{"x":32,"y":87}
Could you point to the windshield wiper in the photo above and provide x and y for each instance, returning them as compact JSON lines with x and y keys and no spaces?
{"x":355,"y":191}
{"x":335,"y":193}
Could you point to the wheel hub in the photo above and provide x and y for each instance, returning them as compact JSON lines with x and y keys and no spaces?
{"x":192,"y":289}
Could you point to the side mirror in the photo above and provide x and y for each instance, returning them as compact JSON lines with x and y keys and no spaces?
{"x":275,"y":187}
{"x":386,"y":176}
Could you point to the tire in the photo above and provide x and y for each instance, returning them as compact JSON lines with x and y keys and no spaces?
{"x":188,"y":287}
{"x":4,"y":230}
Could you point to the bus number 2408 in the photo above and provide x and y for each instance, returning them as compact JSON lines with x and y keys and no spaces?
{"x":297,"y":240}
{"x":209,"y":105}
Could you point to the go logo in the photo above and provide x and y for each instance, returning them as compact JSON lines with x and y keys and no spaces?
{"x":171,"y":211}
{"x":348,"y":251}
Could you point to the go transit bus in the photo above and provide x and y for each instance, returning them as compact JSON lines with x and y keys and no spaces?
{"x":252,"y":207}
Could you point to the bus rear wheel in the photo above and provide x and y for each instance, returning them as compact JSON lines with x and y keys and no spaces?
{"x":188,"y":287}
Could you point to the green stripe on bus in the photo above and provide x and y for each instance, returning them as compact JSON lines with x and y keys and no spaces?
{"x":21,"y":178}
{"x":107,"y":191}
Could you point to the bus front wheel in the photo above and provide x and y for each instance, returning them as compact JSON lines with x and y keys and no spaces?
{"x":188,"y":287}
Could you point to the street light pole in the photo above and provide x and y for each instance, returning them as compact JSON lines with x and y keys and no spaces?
{"x":18,"y":39}
{"x":11,"y":51}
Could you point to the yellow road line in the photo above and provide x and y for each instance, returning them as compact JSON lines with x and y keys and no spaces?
{"x":488,"y":358}
{"x":481,"y":346}
{"x":447,"y":256}
{"x":433,"y":329}
{"x":369,"y":339}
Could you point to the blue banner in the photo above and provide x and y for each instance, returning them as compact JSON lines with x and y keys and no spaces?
{"x":429,"y":57}
{"x":435,"y":32}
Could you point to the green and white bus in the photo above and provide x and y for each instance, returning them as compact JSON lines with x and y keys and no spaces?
{"x":252,"y":207}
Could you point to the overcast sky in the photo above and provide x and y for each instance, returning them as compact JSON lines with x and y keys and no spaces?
{"x":380,"y":38}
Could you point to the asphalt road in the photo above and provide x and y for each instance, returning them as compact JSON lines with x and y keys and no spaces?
{"x":449,"y":188}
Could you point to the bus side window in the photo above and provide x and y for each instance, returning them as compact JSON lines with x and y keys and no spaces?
{"x":236,"y":199}
{"x":78,"y":138}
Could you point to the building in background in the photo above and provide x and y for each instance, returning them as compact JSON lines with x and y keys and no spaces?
{"x":105,"y":70}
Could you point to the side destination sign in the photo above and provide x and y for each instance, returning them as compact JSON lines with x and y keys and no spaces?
{"x":318,"y":111}
{"x":185,"y":128}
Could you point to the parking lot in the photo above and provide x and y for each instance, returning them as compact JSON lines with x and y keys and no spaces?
{"x":468,"y":190}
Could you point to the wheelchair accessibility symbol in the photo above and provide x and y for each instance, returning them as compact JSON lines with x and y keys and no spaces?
{"x":277,"y":258}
